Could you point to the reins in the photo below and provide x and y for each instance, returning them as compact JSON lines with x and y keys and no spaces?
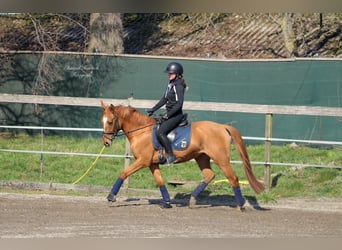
{"x":134,"y":130}
{"x":116,"y":130}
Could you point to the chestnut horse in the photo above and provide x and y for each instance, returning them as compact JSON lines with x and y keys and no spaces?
{"x":209,"y":140}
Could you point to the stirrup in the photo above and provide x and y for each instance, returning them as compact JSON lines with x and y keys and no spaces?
{"x":170,"y":160}
{"x":161,"y":159}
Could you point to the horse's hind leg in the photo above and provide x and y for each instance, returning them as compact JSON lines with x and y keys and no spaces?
{"x":203,"y":162}
{"x":234,"y":181}
{"x":160,"y":182}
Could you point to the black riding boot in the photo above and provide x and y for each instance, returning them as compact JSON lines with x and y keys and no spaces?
{"x":171,"y":158}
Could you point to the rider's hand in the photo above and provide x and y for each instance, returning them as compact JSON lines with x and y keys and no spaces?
{"x":165,"y":117}
{"x":162,"y":118}
{"x":149,"y":112}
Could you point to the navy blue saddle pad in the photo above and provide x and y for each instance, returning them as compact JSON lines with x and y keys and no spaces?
{"x":181,"y":137}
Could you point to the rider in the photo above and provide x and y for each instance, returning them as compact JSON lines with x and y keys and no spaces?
{"x":173,"y":98}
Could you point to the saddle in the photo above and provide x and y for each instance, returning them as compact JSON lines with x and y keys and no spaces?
{"x":179,"y":137}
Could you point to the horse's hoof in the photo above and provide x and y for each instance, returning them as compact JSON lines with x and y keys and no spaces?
{"x":165,"y":205}
{"x":111,"y":197}
{"x":241,"y":208}
{"x":192,"y":202}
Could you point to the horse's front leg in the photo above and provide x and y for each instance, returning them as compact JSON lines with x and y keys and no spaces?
{"x":160,"y":182}
{"x":134,"y":167}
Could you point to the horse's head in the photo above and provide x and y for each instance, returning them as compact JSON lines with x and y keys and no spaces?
{"x":110,"y":123}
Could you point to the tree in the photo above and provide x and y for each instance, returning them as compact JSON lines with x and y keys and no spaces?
{"x":105,"y":33}
{"x":285,"y":21}
{"x":288,"y":33}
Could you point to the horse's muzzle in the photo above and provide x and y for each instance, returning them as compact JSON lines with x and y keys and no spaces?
{"x":106,"y":141}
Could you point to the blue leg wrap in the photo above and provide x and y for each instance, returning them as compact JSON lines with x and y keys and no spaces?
{"x":199,"y":189}
{"x":165,"y":194}
{"x":238,"y":196}
{"x":116,"y":186}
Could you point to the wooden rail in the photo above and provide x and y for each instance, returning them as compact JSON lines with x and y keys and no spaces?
{"x":188,"y":105}
{"x":268,"y":110}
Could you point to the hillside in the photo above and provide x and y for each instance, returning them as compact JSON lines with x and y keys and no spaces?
{"x":233,"y":36}
{"x":192,"y":35}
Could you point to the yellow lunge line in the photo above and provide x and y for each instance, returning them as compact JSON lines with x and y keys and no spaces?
{"x":91,"y":166}
{"x":242,"y":182}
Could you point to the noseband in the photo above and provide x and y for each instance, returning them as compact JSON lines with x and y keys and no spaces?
{"x":115,"y":130}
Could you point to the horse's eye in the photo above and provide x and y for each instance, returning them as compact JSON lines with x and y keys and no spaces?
{"x":110,"y":123}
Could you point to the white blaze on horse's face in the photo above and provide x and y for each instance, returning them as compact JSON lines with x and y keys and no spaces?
{"x":104,"y":122}
{"x":107,"y":128}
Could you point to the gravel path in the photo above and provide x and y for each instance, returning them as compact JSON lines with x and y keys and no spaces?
{"x":61,"y":216}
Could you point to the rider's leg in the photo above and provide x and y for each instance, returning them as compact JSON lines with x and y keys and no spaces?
{"x":168,"y":149}
{"x":164,"y":128}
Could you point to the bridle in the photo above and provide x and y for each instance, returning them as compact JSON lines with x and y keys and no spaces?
{"x":116,"y":130}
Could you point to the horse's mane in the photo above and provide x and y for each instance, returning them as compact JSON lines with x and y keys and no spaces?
{"x":129,"y":112}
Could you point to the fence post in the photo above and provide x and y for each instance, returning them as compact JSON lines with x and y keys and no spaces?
{"x":42,"y":160}
{"x":268,"y":144}
{"x":127,"y":161}
{"x":127,"y":153}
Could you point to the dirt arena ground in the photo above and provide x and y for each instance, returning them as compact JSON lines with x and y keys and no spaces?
{"x":61,"y":216}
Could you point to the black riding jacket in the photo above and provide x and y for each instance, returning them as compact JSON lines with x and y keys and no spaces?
{"x":173,"y":98}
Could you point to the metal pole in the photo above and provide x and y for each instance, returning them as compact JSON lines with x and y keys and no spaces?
{"x":268,"y":144}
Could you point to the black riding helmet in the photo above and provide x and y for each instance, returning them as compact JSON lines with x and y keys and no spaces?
{"x":174,"y":67}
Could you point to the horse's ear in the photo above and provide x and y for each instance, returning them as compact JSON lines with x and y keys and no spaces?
{"x":103,"y":105}
{"x":112,"y":107}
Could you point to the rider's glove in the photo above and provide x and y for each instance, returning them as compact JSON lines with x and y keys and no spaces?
{"x":149,"y":112}
{"x":165,"y":117}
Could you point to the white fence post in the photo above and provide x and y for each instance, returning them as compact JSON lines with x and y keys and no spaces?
{"x":127,"y":153}
{"x":268,"y":144}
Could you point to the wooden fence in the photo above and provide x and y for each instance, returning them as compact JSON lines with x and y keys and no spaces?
{"x":268,"y":110}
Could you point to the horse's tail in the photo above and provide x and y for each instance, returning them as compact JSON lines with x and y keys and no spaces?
{"x":257,"y":186}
